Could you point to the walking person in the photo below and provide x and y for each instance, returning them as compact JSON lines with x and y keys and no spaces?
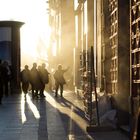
{"x":25,"y":79}
{"x":6,"y":74}
{"x":44,"y":75}
{"x":59,"y":80}
{"x":35,"y":80}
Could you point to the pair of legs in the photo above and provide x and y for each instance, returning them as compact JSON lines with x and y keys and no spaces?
{"x":34,"y":91}
{"x":25,"y":87}
{"x":5,"y":86}
{"x":42,"y":90}
{"x":57,"y":88}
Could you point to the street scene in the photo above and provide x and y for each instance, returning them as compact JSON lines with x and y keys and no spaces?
{"x":48,"y":119}
{"x":70,"y":69}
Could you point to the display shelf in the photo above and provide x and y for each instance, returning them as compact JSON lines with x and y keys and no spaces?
{"x":113,"y":38}
{"x":135,"y":47}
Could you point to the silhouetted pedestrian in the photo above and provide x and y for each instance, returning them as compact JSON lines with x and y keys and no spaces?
{"x":44,"y":75}
{"x":42,"y":84}
{"x":35,"y":80}
{"x":25,"y":79}
{"x":6,"y":76}
{"x":59,"y":80}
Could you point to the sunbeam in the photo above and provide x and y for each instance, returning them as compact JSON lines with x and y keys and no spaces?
{"x":33,"y":107}
{"x":68,"y":111}
{"x":23,"y":116}
{"x":35,"y":32}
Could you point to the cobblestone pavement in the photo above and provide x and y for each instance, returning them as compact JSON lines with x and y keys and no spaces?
{"x":47,"y":119}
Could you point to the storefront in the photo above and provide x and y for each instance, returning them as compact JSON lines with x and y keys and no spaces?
{"x":10,"y":49}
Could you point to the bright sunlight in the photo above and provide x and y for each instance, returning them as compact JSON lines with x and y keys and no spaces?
{"x":35,"y":32}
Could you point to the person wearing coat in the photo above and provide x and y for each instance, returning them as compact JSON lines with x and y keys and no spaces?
{"x":35,"y":80}
{"x":6,"y":77}
{"x":25,"y":79}
{"x":59,"y":80}
{"x":44,"y":75}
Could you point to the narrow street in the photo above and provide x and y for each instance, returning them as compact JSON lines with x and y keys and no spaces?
{"x":89,"y":46}
{"x":47,"y":119}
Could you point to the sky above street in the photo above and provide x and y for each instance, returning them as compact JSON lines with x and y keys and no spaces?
{"x":34,"y":14}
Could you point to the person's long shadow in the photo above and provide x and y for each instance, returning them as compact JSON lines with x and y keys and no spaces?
{"x":67,"y":103}
{"x":38,"y":107}
{"x":73,"y":117}
{"x":42,"y":124}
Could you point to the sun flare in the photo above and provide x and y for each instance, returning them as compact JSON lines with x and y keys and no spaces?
{"x":35,"y":32}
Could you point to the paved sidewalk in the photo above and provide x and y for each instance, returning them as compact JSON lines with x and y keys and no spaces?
{"x":47,"y":119}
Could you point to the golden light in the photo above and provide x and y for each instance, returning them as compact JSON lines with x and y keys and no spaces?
{"x":36,"y":33}
{"x":76,"y":29}
{"x":86,"y":24}
{"x":54,"y":49}
{"x":68,"y":111}
{"x":33,"y":107}
{"x":34,"y":14}
{"x":85,"y":18}
{"x":75,"y":4}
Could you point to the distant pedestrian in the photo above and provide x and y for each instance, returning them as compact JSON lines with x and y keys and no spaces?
{"x":44,"y":75}
{"x":35,"y":80}
{"x":59,"y":80}
{"x":6,"y":77}
{"x":25,"y":79}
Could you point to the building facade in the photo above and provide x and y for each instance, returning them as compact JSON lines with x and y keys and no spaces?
{"x":117,"y":57}
{"x":134,"y":62}
{"x":112,"y":28}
